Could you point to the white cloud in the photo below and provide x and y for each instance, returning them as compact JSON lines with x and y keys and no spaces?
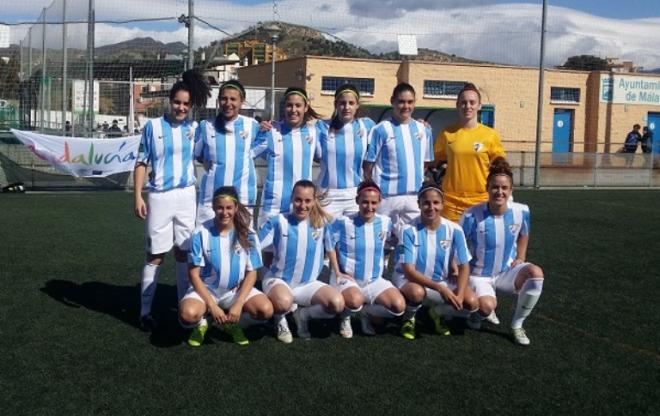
{"x":506,"y":33}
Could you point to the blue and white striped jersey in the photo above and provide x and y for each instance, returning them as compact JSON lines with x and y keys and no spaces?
{"x":493,"y":239}
{"x":431,"y":251}
{"x":360,"y":245}
{"x":290,"y":154}
{"x":297,"y":246}
{"x":169,"y":152}
{"x":341,"y":153}
{"x":223,"y":261}
{"x":230,"y":158}
{"x":399,"y":152}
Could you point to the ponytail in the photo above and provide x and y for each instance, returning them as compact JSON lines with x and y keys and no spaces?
{"x":194,"y":82}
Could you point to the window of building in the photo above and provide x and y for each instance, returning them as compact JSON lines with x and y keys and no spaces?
{"x":364,"y":85}
{"x":564,"y":95}
{"x":442,"y":89}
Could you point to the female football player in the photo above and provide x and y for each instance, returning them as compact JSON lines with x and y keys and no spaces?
{"x":497,"y":232}
{"x":224,"y":258}
{"x":224,"y":147}
{"x":355,"y":247}
{"x":426,"y":250}
{"x":297,"y":240}
{"x":167,"y":148}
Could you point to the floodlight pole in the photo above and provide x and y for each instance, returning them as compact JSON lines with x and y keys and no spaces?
{"x":191,"y":33}
{"x":539,"y":112}
{"x":43,"y":71}
{"x":90,"y":64}
{"x":274,"y":32}
{"x":64,"y":68}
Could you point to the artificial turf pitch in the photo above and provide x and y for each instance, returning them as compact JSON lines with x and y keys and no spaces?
{"x":69,"y":272}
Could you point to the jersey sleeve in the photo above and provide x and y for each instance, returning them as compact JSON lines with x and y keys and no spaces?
{"x":460,"y":251}
{"x":377,"y":136}
{"x":144,"y":151}
{"x":332,"y":235}
{"x":525,"y":226}
{"x":254,"y":260}
{"x":200,"y":140}
{"x":196,"y":253}
{"x":321,"y":131}
{"x":468,"y":224}
{"x":369,"y":124}
{"x":496,"y":148}
{"x":440,"y":147}
{"x":260,"y":144}
{"x":429,"y":144}
{"x":407,"y":250}
{"x":267,"y":232}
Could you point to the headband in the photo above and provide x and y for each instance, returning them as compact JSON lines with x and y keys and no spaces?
{"x":232,"y":197}
{"x":355,"y":93}
{"x":430,"y":188}
{"x":369,"y":188}
{"x":300,"y":93}
{"x":233,"y":86}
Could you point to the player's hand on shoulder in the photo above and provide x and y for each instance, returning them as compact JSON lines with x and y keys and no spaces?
{"x":265,"y":125}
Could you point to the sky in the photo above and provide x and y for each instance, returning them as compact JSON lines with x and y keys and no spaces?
{"x":505,"y":31}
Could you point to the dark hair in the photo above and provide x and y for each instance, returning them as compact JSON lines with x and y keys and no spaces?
{"x":241,"y":217}
{"x":367,"y":184}
{"x":220,"y":122}
{"x":499,"y":167}
{"x":401,"y":88}
{"x":636,"y":127}
{"x":310,"y":113}
{"x":317,"y":215}
{"x":469,"y":87}
{"x":335,"y":122}
{"x":194,"y":83}
{"x":428,"y":186}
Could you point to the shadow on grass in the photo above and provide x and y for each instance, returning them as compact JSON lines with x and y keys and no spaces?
{"x":122,"y":303}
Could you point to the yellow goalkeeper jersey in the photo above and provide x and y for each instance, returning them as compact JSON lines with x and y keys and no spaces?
{"x":468,"y":153}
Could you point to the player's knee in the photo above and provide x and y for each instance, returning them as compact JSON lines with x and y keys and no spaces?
{"x":264,"y":311}
{"x":534,"y":272}
{"x":282,"y":304}
{"x":414,"y":293}
{"x":471,"y":303}
{"x":354,"y":302}
{"x":189,"y":314}
{"x":487,"y":305}
{"x":336,"y":304}
{"x":398,"y":305}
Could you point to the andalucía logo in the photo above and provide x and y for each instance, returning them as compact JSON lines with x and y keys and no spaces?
{"x":97,"y":158}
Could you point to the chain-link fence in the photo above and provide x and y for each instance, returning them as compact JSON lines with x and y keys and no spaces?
{"x":84,"y":64}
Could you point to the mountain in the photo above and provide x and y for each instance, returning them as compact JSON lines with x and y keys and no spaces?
{"x":138,"y":48}
{"x":297,"y":40}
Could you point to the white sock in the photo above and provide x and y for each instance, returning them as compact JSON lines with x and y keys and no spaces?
{"x":527,"y":298}
{"x":148,"y":287}
{"x":381,"y":311}
{"x":319,"y":312}
{"x":410,"y":311}
{"x":278,"y":318}
{"x":182,"y":281}
{"x":347,"y":313}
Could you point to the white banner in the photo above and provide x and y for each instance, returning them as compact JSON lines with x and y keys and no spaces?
{"x":626,"y":89}
{"x":81,"y":157}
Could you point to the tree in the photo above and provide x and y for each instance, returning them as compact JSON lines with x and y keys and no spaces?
{"x":586,"y":63}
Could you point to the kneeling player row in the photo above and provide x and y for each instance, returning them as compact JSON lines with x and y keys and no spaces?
{"x":225,"y":256}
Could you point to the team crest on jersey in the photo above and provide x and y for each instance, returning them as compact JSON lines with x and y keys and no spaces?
{"x":237,"y":248}
{"x":445,"y":244}
{"x":331,"y":135}
{"x":362,"y":133}
{"x":160,"y":137}
{"x":244,"y":134}
{"x":478,"y":146}
{"x":316,"y":234}
{"x":309,"y":139}
{"x":419,"y":135}
{"x":382,"y":235}
{"x":513,"y":228}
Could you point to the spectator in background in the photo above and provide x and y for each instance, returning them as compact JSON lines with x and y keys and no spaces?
{"x":67,"y":127}
{"x":105,"y":126}
{"x":632,"y":140}
{"x":114,"y":130}
{"x":647,"y":140}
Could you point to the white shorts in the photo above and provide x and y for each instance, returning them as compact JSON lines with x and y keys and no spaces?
{"x":432,"y":297}
{"x":370,"y":290}
{"x":224,"y":298}
{"x":340,"y":202}
{"x":170,"y":219}
{"x":302,"y":294}
{"x":486,"y":286}
{"x":401,"y":209}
